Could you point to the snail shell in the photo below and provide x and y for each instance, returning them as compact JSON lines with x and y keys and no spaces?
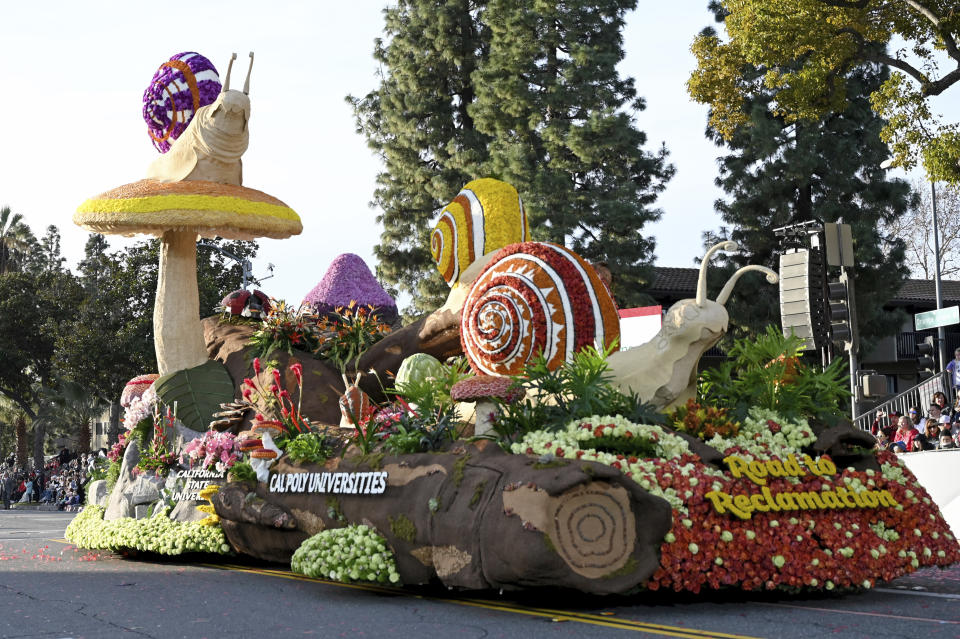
{"x":486,"y":215}
{"x":535,"y":297}
{"x":182,"y":84}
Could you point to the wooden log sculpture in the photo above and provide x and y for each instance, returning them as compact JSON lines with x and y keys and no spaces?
{"x":472,"y":518}
{"x":664,"y":370}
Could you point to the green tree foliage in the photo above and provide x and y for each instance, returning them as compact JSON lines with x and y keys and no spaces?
{"x":830,"y":38}
{"x":527,"y":92}
{"x":780,"y":173}
{"x":561,"y":121}
{"x":15,"y":240}
{"x":418,"y":123}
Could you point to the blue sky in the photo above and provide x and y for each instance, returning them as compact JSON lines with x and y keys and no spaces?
{"x":73,"y":75}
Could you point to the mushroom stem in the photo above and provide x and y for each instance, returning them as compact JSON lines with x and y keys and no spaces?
{"x":177,"y":334}
{"x":486,"y":413}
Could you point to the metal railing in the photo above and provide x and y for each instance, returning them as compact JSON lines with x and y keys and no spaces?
{"x":920,"y":395}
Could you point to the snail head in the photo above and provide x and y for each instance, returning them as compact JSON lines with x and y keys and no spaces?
{"x":231,"y":110}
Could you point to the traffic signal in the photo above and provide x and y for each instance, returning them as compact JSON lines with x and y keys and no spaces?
{"x":925,"y":352}
{"x":838,"y":311}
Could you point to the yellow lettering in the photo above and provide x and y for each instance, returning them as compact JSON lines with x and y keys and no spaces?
{"x":786,"y":501}
{"x":756,"y":471}
{"x":792,"y":466}
{"x":757,"y":502}
{"x":742,"y":507}
{"x":886,"y":499}
{"x":771,"y":504}
{"x":737,"y":465}
{"x":826,"y":466}
{"x":721,"y":501}
{"x":809,"y":500}
{"x":775,"y":468}
{"x":845,"y":496}
{"x":830,"y":499}
{"x":869,"y":499}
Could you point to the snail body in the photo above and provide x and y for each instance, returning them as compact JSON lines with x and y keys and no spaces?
{"x":535,"y":297}
{"x":486,"y":215}
{"x":211,"y":146}
{"x":663,"y":371}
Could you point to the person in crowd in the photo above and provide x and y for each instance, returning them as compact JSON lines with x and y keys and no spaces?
{"x":940,"y":399}
{"x":916,"y":415}
{"x":953,"y":367}
{"x":883,"y":442}
{"x":930,"y":437}
{"x":904,"y":437}
{"x":6,"y":487}
{"x":934,"y":411}
{"x":27,"y":491}
{"x":887,"y":428}
{"x":946,"y":442}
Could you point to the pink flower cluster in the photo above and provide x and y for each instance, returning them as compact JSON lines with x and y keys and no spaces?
{"x":214,"y":451}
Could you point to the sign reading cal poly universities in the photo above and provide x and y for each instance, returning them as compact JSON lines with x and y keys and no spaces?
{"x":940,"y":317}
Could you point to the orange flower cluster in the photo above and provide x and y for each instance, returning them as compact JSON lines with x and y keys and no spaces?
{"x":815,"y":549}
{"x":703,"y":421}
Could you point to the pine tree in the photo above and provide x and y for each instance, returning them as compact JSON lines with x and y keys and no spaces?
{"x":778,"y":174}
{"x":418,"y":123}
{"x":560,"y":117}
{"x":527,"y":92}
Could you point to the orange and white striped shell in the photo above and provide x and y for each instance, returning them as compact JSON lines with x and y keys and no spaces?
{"x":486,"y":215}
{"x":535,"y":297}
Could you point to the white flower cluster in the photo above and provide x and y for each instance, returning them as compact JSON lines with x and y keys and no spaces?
{"x":158,"y":534}
{"x":140,"y":408}
{"x":353,"y":553}
{"x":765,"y":432}
{"x":568,"y":444}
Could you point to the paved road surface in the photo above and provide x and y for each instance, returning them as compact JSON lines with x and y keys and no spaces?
{"x":50,"y":589}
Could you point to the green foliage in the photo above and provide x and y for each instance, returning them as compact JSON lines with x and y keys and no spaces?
{"x":243,"y":471}
{"x":703,"y":421}
{"x":528,"y":93}
{"x":349,"y":554}
{"x":310,"y":448}
{"x":766,"y":373}
{"x":421,"y":432}
{"x":431,"y":394}
{"x":777,"y":173}
{"x":197,"y":392}
{"x":113,"y":474}
{"x":285,"y":328}
{"x":829,"y":39}
{"x":347,"y":333}
{"x":579,"y":388}
{"x":155,"y":534}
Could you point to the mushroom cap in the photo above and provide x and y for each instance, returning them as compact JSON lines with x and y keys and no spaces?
{"x":136,"y":387}
{"x":253,"y":443}
{"x":273,"y":424}
{"x":263,"y":453}
{"x":482,"y":387}
{"x":210,"y":209}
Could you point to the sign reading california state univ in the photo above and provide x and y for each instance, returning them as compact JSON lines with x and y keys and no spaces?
{"x":744,"y":505}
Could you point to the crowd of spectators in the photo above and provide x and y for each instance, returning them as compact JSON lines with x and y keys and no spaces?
{"x":61,"y":482}
{"x":937,"y":429}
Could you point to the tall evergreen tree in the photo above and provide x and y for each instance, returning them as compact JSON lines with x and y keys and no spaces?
{"x":15,"y":240}
{"x":527,"y":92}
{"x":561,"y":121}
{"x":418,"y":122}
{"x":778,"y":174}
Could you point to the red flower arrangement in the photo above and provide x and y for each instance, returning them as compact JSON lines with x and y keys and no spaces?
{"x":820,"y":549}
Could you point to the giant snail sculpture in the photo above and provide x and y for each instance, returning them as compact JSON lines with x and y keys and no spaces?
{"x":663,"y":371}
{"x":215,"y":139}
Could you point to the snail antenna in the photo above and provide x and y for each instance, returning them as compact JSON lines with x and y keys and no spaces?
{"x":226,"y":85}
{"x":728,"y":287}
{"x":246,"y":83}
{"x":729,"y":245}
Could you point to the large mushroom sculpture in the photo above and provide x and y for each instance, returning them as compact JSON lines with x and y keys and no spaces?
{"x":193,"y":191}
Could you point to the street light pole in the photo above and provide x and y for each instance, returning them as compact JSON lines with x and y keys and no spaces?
{"x":941,"y":334}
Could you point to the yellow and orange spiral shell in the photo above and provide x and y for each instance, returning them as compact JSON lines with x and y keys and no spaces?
{"x":535,"y":297}
{"x":486,"y":215}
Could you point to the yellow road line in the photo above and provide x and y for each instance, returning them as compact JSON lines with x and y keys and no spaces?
{"x":558,"y":615}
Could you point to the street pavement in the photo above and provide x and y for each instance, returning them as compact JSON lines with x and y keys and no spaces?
{"x":51,"y":589}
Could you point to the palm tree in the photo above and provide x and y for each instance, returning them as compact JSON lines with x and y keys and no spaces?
{"x":15,"y":239}
{"x":79,"y":408}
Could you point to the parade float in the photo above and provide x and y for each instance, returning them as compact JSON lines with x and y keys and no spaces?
{"x":501,"y":442}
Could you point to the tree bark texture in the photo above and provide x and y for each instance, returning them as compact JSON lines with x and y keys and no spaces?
{"x":471,"y":518}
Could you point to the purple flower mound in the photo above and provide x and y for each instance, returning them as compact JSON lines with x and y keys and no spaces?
{"x":349,"y":280}
{"x":184,"y":83}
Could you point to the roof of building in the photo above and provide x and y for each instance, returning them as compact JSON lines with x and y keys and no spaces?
{"x":677,"y":281}
{"x":924,"y":291}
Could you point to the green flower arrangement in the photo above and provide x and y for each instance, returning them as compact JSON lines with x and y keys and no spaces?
{"x":353,"y":553}
{"x":158,"y":534}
